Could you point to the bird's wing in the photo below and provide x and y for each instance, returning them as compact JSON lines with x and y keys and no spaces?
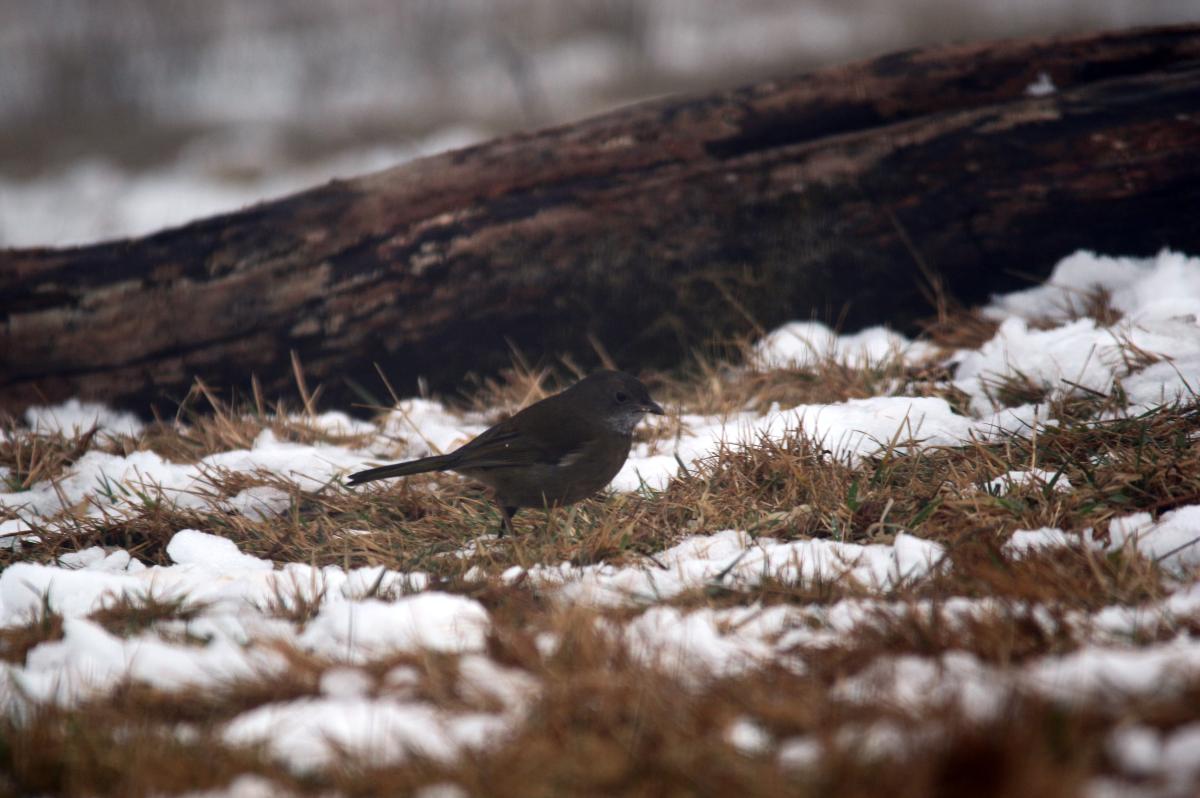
{"x":545,"y":439}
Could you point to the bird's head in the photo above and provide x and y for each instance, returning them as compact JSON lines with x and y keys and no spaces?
{"x":620,"y":399}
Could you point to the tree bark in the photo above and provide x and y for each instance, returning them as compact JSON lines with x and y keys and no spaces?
{"x":651,"y":229}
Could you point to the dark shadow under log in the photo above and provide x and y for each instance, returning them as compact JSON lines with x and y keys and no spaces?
{"x":652,"y":229}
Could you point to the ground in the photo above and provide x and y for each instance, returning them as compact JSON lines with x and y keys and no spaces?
{"x":841,"y":564}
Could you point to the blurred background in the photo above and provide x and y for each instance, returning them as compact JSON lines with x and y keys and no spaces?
{"x":120,"y":117}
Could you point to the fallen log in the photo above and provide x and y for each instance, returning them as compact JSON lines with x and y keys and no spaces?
{"x":651,"y":229}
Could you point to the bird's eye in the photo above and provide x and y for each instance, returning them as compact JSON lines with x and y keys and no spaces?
{"x":622,"y":398}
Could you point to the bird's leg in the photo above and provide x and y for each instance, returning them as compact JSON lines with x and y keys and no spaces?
{"x":506,"y":516}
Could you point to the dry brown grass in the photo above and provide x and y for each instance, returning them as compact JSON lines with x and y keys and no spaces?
{"x":606,"y":721}
{"x":204,"y":425}
{"x":1094,"y":303}
{"x":34,"y":458}
{"x":17,"y":640}
{"x":102,"y":751}
{"x":783,"y":488}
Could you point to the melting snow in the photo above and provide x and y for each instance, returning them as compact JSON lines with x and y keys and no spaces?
{"x":364,"y":613}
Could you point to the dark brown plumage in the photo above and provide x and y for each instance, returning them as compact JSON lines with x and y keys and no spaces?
{"x":554,"y":452}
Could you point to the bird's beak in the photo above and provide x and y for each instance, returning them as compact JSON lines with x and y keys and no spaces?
{"x":654,"y":408}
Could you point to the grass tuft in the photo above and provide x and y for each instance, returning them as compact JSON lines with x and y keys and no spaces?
{"x":608,"y":717}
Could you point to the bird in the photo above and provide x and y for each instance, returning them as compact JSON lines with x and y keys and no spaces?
{"x":555,"y":452}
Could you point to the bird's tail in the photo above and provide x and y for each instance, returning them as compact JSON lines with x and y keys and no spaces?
{"x":437,"y":463}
